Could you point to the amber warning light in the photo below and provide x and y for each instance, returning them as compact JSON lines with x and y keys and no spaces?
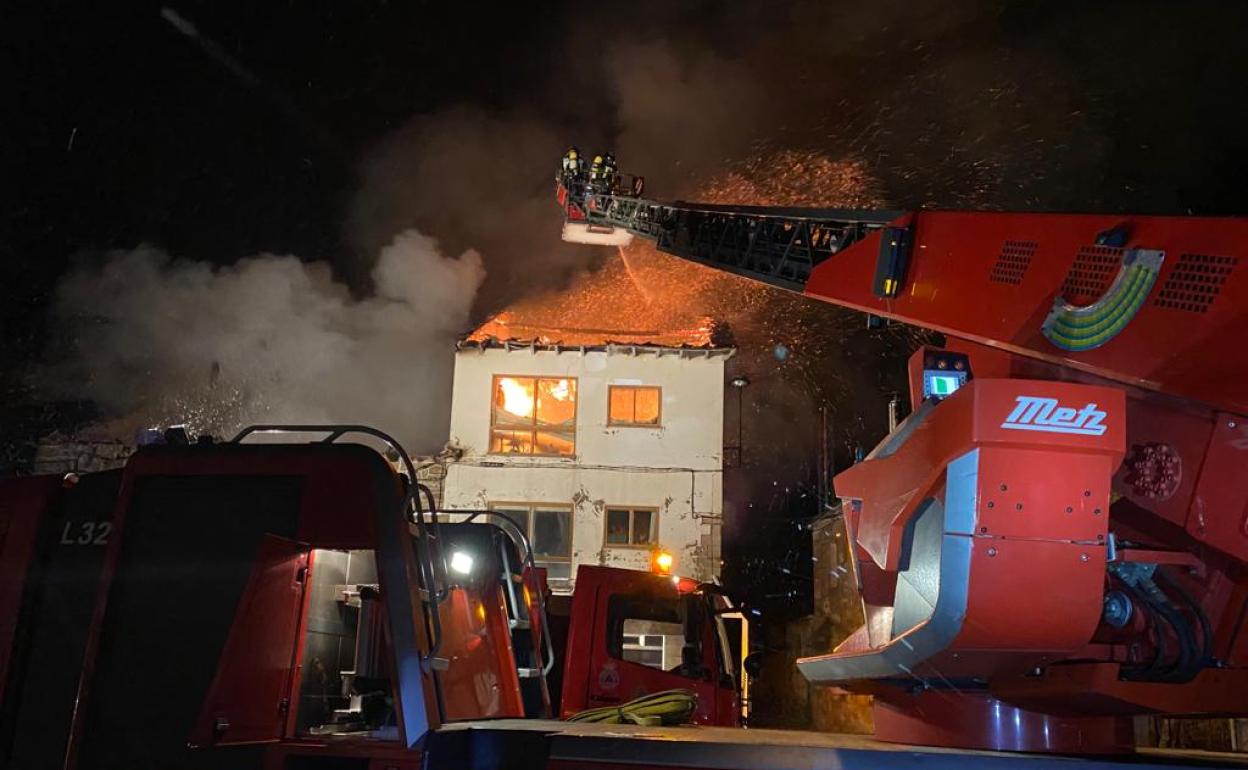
{"x":661,"y":562}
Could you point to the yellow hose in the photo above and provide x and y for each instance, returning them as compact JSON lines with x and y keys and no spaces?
{"x":670,"y":707}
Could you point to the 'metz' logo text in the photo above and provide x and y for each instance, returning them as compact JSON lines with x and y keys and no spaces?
{"x":1043,"y":414}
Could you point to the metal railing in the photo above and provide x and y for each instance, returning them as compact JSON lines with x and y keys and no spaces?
{"x":513,"y":530}
{"x":778,"y":245}
{"x":412,"y":511}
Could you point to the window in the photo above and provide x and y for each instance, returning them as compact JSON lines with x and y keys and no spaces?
{"x":664,"y":632}
{"x":549,"y":529}
{"x":533,"y":416}
{"x":632,"y":527}
{"x":645,"y":642}
{"x":634,"y":405}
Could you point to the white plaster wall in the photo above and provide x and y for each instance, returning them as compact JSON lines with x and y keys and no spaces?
{"x":675,"y":468}
{"x":693,"y":404}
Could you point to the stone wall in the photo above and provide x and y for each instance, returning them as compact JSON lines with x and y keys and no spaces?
{"x":59,"y":454}
{"x":781,"y":696}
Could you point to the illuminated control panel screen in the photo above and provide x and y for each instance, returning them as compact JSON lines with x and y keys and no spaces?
{"x":941,"y":383}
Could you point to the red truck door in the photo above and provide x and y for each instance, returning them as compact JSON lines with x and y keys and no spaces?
{"x":643,"y":636}
{"x":249,"y":699}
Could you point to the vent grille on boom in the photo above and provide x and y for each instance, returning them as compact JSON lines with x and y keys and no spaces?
{"x":1092,"y":273}
{"x":1195,"y":282}
{"x":1012,"y":263}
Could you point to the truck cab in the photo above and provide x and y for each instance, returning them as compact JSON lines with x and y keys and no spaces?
{"x":635,"y":633}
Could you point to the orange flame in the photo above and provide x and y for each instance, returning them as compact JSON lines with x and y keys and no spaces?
{"x":561,"y":391}
{"x":516,"y":397}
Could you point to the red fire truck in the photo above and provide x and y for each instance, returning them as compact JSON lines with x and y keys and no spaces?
{"x":1056,"y":538}
{"x":210,"y":597}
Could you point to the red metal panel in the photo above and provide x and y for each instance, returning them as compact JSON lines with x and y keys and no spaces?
{"x":1007,"y":610}
{"x":1179,"y":428}
{"x":969,"y":720}
{"x":1219,"y":510}
{"x":481,"y":681}
{"x":23,"y":503}
{"x":1178,"y":348}
{"x":891,"y":487}
{"x":1015,"y":500}
{"x":250,"y":694}
{"x":339,"y":492}
{"x":580,"y":644}
{"x":1102,"y":690}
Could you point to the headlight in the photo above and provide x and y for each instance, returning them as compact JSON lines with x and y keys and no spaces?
{"x":461,"y":563}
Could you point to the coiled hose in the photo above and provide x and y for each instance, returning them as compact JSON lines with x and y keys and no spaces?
{"x":670,"y":707}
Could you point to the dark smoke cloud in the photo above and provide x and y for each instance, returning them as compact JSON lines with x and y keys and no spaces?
{"x":680,"y":114}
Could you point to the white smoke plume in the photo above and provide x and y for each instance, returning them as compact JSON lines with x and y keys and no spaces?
{"x":154,"y":339}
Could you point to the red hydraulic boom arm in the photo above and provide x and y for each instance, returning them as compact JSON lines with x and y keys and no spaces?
{"x":1056,"y":538}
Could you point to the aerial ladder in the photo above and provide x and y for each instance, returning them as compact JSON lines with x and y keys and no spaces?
{"x":1055,"y":539}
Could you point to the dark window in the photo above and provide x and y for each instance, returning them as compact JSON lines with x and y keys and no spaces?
{"x":631,"y":527}
{"x":549,"y":529}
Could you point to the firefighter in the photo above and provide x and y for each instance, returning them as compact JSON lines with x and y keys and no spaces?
{"x":595,"y":174}
{"x":571,"y":163}
{"x":608,"y":171}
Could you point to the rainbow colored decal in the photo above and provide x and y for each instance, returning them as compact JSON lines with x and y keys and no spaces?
{"x":1085,"y":328}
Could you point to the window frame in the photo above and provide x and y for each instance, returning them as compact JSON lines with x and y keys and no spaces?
{"x":533,"y":430}
{"x":641,"y":646}
{"x":612,"y":423}
{"x":632,"y":511}
{"x":513,"y":505}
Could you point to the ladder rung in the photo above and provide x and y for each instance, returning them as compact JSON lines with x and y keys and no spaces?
{"x":529,"y":673}
{"x":522,"y":624}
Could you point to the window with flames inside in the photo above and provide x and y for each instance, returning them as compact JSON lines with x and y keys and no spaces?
{"x":533,"y":416}
{"x":634,"y":405}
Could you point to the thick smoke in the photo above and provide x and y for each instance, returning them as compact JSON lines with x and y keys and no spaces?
{"x":475,"y":179}
{"x":155,"y":339}
{"x":485,"y":178}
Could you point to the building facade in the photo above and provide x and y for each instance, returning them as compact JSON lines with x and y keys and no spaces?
{"x":606,"y":454}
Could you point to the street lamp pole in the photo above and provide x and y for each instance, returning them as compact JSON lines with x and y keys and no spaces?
{"x":740,"y":382}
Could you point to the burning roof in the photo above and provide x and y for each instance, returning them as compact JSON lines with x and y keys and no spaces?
{"x":506,"y":327}
{"x":625,"y":302}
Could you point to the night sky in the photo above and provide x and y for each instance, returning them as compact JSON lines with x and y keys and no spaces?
{"x":118,"y":130}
